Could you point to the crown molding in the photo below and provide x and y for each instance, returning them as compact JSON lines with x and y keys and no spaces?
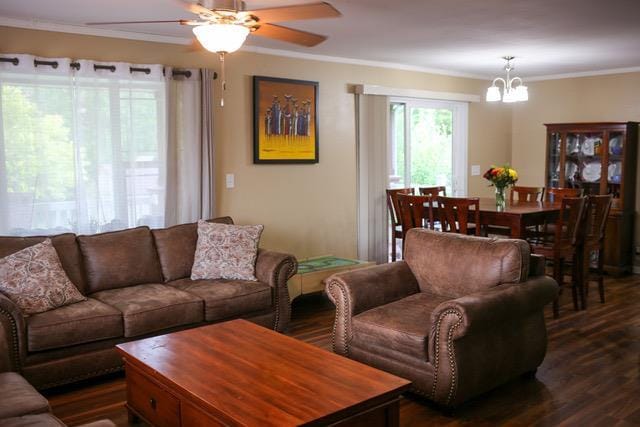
{"x":583,"y":74}
{"x":34,"y":24}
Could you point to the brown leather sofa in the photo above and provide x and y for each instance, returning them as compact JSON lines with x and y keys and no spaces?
{"x":458,"y":317}
{"x":137,"y":283}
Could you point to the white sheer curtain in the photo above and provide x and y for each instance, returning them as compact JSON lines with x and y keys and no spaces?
{"x":372,"y":116}
{"x":82,"y":146}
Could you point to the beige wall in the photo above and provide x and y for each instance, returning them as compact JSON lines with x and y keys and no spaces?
{"x":587,"y":99}
{"x":307,"y":210}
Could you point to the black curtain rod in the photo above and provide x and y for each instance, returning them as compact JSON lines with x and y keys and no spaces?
{"x":112,"y":68}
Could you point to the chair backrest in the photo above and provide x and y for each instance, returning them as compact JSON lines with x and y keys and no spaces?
{"x":415,"y":211}
{"x":596,"y":218}
{"x":570,"y":223}
{"x":433,"y":191}
{"x":526,"y":194}
{"x":455,"y":211}
{"x":392,"y":203}
{"x":556,"y":194}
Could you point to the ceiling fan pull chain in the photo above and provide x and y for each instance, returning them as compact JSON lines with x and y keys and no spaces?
{"x":223,"y":81}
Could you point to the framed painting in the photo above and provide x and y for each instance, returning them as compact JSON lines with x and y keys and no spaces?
{"x":285,"y":120}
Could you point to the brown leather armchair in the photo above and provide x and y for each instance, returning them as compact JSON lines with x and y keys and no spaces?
{"x":458,"y":317}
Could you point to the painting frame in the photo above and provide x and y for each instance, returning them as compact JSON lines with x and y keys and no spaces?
{"x":260,"y":137}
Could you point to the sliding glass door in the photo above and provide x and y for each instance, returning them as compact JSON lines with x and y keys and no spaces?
{"x":428,"y":144}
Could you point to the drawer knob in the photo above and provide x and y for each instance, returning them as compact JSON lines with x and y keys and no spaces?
{"x":152,"y":402}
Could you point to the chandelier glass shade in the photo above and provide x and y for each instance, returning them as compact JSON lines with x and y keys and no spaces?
{"x":513,"y":90}
{"x":221,"y":38}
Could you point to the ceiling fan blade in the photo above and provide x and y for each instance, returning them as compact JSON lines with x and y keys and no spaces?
{"x":290,"y":35}
{"x":181,"y":21}
{"x":294,"y":13}
{"x":197,"y":9}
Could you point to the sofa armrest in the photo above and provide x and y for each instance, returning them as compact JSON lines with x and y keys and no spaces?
{"x":536,"y":265}
{"x":275,"y":269}
{"x":12,"y":336}
{"x":487,"y":321}
{"x":356,"y":291}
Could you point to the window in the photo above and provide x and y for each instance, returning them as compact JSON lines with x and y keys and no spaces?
{"x":80,"y":153}
{"x":428,"y":144}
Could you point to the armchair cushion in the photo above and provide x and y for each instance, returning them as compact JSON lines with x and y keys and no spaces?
{"x":78,"y":323}
{"x":227,"y":298}
{"x":454,"y":265}
{"x":18,"y":397}
{"x":40,"y":420}
{"x":401,"y":326}
{"x":153,"y":307}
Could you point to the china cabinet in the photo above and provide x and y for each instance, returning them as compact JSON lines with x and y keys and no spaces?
{"x":600,"y":158}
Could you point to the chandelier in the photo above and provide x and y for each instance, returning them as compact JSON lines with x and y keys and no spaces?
{"x":513,"y":89}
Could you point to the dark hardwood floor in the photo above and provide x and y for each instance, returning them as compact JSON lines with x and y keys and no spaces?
{"x":590,"y":377}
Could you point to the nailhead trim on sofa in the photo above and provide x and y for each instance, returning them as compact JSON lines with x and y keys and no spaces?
{"x":14,"y":338}
{"x":450,"y":353}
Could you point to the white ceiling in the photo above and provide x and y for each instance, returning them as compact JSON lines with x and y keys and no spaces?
{"x":467,"y":37}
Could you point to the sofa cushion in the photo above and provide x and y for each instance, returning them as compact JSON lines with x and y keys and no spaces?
{"x":120,"y":258}
{"x":153,"y":307}
{"x":18,"y":397}
{"x":33,"y":278}
{"x":66,"y":246}
{"x":227,"y":298}
{"x":79,"y":323}
{"x":226,"y":251}
{"x":401,"y":326}
{"x":455,"y":265}
{"x":176,"y":246}
{"x":40,"y":420}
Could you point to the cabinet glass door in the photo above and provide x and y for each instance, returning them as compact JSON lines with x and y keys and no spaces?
{"x":553,"y":162}
{"x":583,"y":161}
{"x":614,"y":163}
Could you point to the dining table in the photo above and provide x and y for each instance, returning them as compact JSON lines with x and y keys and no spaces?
{"x":517,"y":215}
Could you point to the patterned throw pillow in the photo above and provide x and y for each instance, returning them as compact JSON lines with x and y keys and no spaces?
{"x":226,"y":251}
{"x":34,"y":280}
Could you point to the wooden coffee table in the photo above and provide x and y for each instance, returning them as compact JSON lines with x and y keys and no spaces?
{"x":239,"y":373}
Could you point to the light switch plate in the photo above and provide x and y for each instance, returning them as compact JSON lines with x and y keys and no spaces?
{"x":475,"y":170}
{"x":231,"y":180}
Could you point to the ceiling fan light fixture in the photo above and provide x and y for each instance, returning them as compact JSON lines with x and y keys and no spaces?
{"x":221,"y":38}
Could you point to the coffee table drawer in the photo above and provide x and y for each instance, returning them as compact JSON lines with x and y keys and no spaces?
{"x":150,"y":401}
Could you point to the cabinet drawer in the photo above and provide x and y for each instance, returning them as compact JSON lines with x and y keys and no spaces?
{"x":150,"y":401}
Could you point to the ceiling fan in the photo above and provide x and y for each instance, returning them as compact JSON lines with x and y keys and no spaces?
{"x":222,"y":26}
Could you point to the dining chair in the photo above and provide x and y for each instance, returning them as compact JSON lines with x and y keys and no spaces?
{"x":526,"y":194}
{"x":392,"y":205}
{"x":556,"y":194}
{"x":415,"y":212}
{"x":567,"y":245}
{"x":436,"y":191}
{"x":454,"y":214}
{"x":598,"y":208}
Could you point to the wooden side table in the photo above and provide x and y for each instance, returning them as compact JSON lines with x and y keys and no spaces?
{"x":312,"y":273}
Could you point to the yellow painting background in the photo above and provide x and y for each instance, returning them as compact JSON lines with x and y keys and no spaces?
{"x":282,"y":147}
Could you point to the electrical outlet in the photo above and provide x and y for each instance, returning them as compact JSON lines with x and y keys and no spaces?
{"x":230,"y":180}
{"x":475,"y":170}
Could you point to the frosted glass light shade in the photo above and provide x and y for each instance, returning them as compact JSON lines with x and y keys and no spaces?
{"x":219,"y":38}
{"x":509,"y":96}
{"x":493,"y":94}
{"x":522,"y":93}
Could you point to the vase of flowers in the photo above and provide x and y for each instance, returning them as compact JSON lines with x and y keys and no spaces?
{"x":501,"y":178}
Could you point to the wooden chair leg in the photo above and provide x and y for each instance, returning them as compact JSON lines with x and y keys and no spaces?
{"x":601,"y":276}
{"x":583,"y":283}
{"x":558,"y":276}
{"x":393,"y":244}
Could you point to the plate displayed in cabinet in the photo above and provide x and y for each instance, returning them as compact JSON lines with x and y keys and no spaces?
{"x":615,"y":145}
{"x":591,"y":171}
{"x":589,"y":146}
{"x":614,"y":173}
{"x":570,"y":169}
